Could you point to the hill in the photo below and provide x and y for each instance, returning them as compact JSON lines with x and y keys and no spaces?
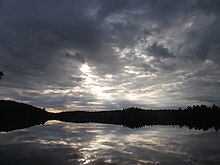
{"x":14,"y":115}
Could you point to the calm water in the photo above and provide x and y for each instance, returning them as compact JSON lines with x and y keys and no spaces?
{"x":59,"y":143}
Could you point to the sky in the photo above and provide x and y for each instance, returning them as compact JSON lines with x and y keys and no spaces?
{"x":110,"y":54}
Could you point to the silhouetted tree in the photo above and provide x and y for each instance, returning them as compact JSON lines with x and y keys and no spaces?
{"x":1,"y":74}
{"x":189,"y":108}
{"x":214,"y":107}
{"x":194,"y":107}
{"x":203,"y":107}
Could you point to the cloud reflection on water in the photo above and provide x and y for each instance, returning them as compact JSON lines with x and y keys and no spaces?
{"x":71,"y":143}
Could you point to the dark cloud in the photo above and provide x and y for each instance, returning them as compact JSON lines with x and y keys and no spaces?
{"x":159,"y":51}
{"x":77,"y":56}
{"x":111,"y":7}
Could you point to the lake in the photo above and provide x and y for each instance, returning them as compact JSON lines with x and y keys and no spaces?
{"x":59,"y":143}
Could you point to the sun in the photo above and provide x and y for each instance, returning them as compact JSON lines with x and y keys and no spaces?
{"x":85,"y":68}
{"x":92,"y":82}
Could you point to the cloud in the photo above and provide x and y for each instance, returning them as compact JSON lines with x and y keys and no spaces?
{"x":44,"y":44}
{"x":77,"y":56}
{"x":159,"y":51}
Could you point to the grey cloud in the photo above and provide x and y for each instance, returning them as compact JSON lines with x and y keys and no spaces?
{"x":77,"y":79}
{"x":77,"y":56}
{"x":149,"y":68}
{"x":109,"y":7}
{"x":213,"y":54}
{"x":159,"y":51}
{"x":43,"y":45}
{"x":207,"y":6}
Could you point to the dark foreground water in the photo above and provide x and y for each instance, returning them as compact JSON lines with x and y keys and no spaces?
{"x":58,"y":143}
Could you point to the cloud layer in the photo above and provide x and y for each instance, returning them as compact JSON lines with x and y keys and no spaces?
{"x":110,"y":54}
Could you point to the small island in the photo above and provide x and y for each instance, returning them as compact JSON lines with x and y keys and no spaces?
{"x":14,"y":115}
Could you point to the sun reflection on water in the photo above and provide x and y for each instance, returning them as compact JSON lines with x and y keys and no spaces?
{"x":88,"y":144}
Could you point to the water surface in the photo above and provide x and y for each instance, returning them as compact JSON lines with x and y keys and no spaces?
{"x":58,"y":143}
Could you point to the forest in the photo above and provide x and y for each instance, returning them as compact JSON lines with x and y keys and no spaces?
{"x":14,"y":115}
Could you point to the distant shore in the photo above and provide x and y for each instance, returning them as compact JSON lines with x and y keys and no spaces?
{"x":14,"y":115}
